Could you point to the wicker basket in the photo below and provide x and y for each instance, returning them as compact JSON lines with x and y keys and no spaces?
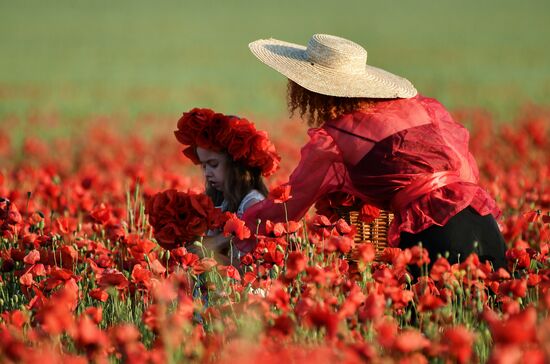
{"x":375,"y":232}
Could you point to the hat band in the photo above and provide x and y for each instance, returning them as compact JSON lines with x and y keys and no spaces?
{"x":352,"y":63}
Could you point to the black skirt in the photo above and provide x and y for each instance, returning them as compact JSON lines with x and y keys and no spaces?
{"x":465,"y":233}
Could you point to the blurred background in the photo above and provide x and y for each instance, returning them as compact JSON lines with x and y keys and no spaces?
{"x":77,"y":59}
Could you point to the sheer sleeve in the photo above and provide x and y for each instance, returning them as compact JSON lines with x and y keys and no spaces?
{"x":321,"y":170}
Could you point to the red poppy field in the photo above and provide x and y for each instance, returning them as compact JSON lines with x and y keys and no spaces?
{"x":82,"y":277}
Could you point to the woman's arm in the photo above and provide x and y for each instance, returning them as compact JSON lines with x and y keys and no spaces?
{"x":320,"y":171}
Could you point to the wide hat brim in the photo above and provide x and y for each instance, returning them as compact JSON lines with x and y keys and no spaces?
{"x":292,"y":61}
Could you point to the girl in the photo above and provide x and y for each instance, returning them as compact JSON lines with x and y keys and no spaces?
{"x":234,"y":156}
{"x":374,"y":137}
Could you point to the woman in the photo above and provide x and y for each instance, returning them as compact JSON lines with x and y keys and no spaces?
{"x":375,"y":137}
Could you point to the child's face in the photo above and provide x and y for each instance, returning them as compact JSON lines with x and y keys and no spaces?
{"x":214,"y":167}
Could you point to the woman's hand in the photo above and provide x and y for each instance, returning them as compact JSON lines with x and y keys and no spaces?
{"x":195,"y":249}
{"x":217,"y":244}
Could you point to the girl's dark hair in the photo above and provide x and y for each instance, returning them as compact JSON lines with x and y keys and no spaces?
{"x":240,"y":179}
{"x":317,"y":108}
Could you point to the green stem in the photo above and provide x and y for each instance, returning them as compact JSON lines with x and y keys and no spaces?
{"x":231,"y":251}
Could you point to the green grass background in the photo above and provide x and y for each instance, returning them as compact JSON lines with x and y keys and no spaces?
{"x":129,"y":58}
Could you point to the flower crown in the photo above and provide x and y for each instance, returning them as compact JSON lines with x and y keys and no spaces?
{"x":223,"y":133}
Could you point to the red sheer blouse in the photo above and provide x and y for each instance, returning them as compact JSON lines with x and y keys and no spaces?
{"x":406,"y":155}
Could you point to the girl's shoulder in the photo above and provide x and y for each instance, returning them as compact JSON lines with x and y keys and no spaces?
{"x":253,"y":195}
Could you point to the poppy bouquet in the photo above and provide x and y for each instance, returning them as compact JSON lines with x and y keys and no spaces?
{"x":223,"y":133}
{"x":178,"y":217}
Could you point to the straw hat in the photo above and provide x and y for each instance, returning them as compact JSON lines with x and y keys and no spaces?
{"x":331,"y":65}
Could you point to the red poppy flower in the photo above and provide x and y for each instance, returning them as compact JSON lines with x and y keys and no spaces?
{"x":243,"y":134}
{"x":275,"y":253}
{"x":32,"y":257}
{"x":163,"y":290}
{"x":459,"y":342}
{"x":342,"y":227}
{"x":66,"y":225}
{"x":439,"y":268}
{"x":141,"y":276}
{"x":322,"y":316}
{"x":366,"y":252}
{"x":386,"y":331}
{"x":499,"y":274}
{"x":373,"y":308}
{"x":99,"y":294}
{"x":517,"y":329}
{"x":368,"y":213}
{"x":515,"y":287}
{"x":204,"y":265}
{"x":112,"y":278}
{"x":355,"y":299}
{"x":345,"y":244}
{"x":230,"y":272}
{"x":191,"y":123}
{"x":389,"y":255}
{"x":247,"y":259}
{"x":16,"y":318}
{"x":280,"y":194}
{"x":429,"y":302}
{"x":95,"y":313}
{"x":249,"y":277}
{"x":87,"y":335}
{"x":295,"y":264}
{"x":26,"y":280}
{"x":533,"y":279}
{"x":518,"y":258}
{"x":510,"y":306}
{"x":409,"y":341}
{"x":283,"y":325}
{"x":321,"y":226}
{"x":102,"y":214}
{"x":157,"y":268}
{"x":10,"y":218}
{"x":56,"y":314}
{"x":278,"y":296}
{"x":236,"y":227}
{"x":420,"y":256}
{"x":276,"y":230}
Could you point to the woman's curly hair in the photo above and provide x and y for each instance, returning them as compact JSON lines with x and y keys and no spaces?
{"x":317,"y":108}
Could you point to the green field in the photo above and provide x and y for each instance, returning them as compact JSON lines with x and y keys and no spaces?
{"x":81,"y":58}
